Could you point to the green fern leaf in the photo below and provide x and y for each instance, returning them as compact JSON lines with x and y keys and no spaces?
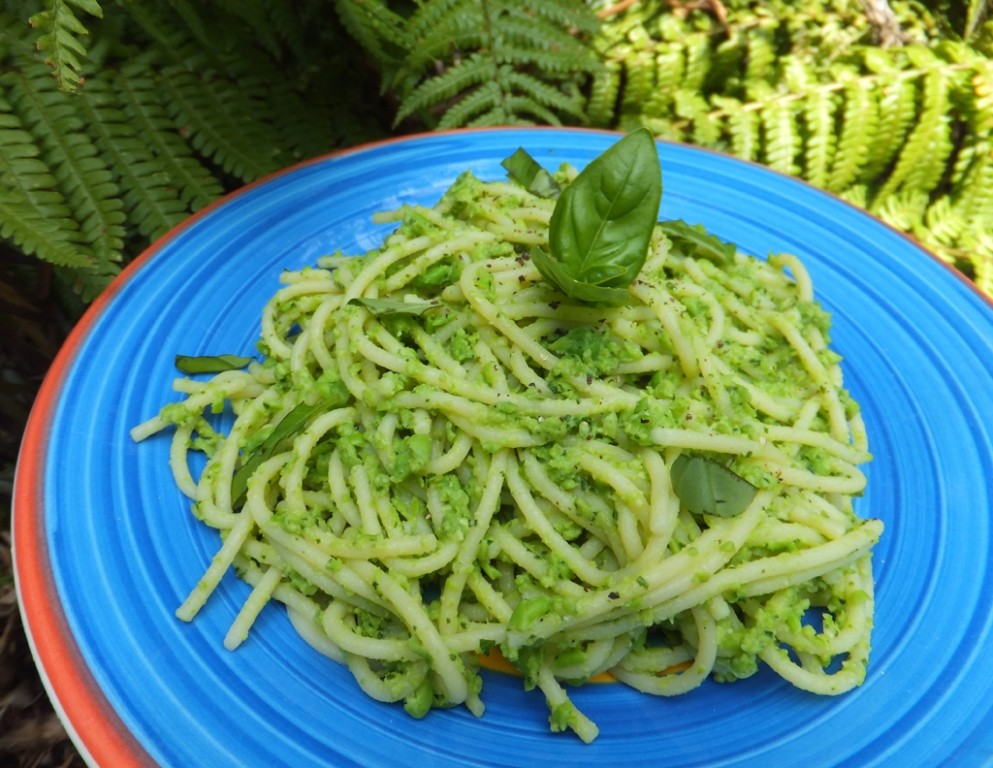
{"x":859,"y":129}
{"x":221,"y":124}
{"x":857,"y":195}
{"x":820,"y":138}
{"x":781,"y":136}
{"x":692,"y":107}
{"x":973,"y":195}
{"x":897,"y":107}
{"x":152,"y":203}
{"x":904,"y":209}
{"x":975,"y":14}
{"x":440,"y":18}
{"x":980,"y":245}
{"x":171,"y":41}
{"x":482,"y":101}
{"x":980,"y":114}
{"x":570,"y":55}
{"x":698,"y":60}
{"x":640,"y":85}
{"x":605,"y":86}
{"x":60,"y":33}
{"x":140,"y":98}
{"x":540,"y":92}
{"x":381,"y":32}
{"x":760,"y":61}
{"x":670,"y":68}
{"x":521,"y":110}
{"x":523,"y":47}
{"x":81,"y":175}
{"x":90,"y":282}
{"x":943,"y":222}
{"x":923,"y":159}
{"x":565,"y":15}
{"x":35,"y":234}
{"x":467,"y":73}
{"x":741,"y":127}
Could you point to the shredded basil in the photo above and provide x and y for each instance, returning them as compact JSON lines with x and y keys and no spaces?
{"x":292,"y":423}
{"x":383,"y":307}
{"x":210,"y":363}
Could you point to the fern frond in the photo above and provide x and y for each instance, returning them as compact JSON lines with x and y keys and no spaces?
{"x":760,"y":60}
{"x":897,"y":109}
{"x":781,"y":136}
{"x":697,"y":62}
{"x":980,"y":246}
{"x":605,"y":86}
{"x":428,"y":18}
{"x":59,"y":38}
{"x":556,"y":101}
{"x":90,"y":282}
{"x":859,"y":130}
{"x":820,"y":138}
{"x":943,"y":222}
{"x":219,"y":122}
{"x":981,"y":113}
{"x":140,"y":98}
{"x":152,"y":202}
{"x":81,"y":174}
{"x":973,"y":198}
{"x":924,"y":156}
{"x":903,"y":209}
{"x":692,"y":107}
{"x":552,"y":48}
{"x":975,"y":13}
{"x":467,"y":73}
{"x":640,"y":84}
{"x":35,"y":234}
{"x":523,"y":110}
{"x":172,"y":41}
{"x":670,"y":72}
{"x":483,"y":100}
{"x":257,"y":19}
{"x":741,"y":127}
{"x":565,"y":14}
{"x":530,"y":50}
{"x":381,"y":32}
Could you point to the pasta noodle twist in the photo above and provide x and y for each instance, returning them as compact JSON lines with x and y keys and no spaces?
{"x":440,"y":455}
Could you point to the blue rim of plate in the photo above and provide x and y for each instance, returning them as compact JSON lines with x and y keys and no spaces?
{"x":106,"y":548}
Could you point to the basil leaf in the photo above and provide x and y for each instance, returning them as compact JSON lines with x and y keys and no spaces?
{"x":381,"y":307}
{"x":699,"y":241}
{"x":527,"y":172}
{"x":210,"y":363}
{"x":707,"y":487}
{"x":602,"y":224}
{"x":552,"y":270}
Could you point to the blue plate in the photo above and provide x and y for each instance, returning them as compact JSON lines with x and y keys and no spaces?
{"x":106,"y":548}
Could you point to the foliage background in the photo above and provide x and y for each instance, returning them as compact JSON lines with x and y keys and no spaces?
{"x":120,"y":118}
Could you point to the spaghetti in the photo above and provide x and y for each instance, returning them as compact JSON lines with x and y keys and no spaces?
{"x":440,"y":455}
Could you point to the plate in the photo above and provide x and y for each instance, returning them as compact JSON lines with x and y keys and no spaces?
{"x":106,"y":548}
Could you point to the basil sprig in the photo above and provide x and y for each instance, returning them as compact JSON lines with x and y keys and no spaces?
{"x":602,"y":224}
